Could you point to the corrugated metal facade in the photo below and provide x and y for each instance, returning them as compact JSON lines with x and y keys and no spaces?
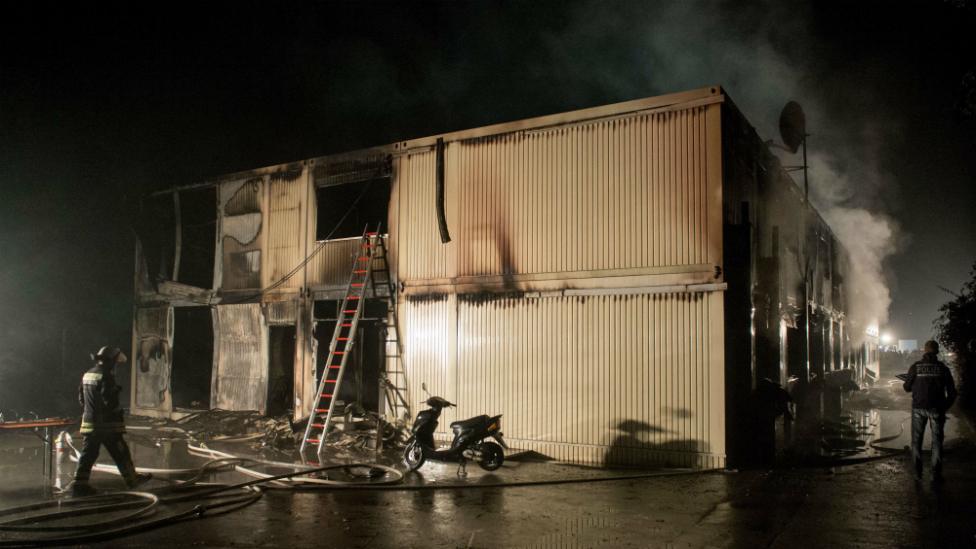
{"x":285,"y":249}
{"x":627,"y":193}
{"x":241,"y":219}
{"x":596,"y":379}
{"x":625,"y":197}
{"x":331,"y":264}
{"x":599,"y":378}
{"x":153,"y":358}
{"x":240,"y":376}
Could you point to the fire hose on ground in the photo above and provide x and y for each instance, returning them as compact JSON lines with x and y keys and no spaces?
{"x":215,"y":499}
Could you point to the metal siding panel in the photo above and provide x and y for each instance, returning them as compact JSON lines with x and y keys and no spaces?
{"x":284,"y":249}
{"x":331,"y":262}
{"x":240,"y":379}
{"x":596,"y":379}
{"x":423,"y":254}
{"x":241,"y":232}
{"x":428,"y":327}
{"x":154,"y":359}
{"x":625,"y":193}
{"x":281,"y":312}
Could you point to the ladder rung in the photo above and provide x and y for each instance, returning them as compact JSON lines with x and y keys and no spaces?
{"x":312,"y":440}
{"x":353,"y":297}
{"x":334,"y":367}
{"x":347,"y":324}
{"x":326,"y":395}
{"x":361,"y":271}
{"x":322,"y":410}
{"x":331,"y":381}
{"x":339,"y":352}
{"x":318,"y":425}
{"x":358,"y":284}
{"x":343,"y":339}
{"x":350,"y":311}
{"x":363,"y":258}
{"x":374,"y":233}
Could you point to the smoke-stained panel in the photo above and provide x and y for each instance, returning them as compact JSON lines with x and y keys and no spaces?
{"x":241,"y":374}
{"x":153,"y":357}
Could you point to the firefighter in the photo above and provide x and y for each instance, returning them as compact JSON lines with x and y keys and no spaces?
{"x":102,"y":423}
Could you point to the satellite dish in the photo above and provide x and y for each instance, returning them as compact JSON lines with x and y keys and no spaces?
{"x":792,"y":126}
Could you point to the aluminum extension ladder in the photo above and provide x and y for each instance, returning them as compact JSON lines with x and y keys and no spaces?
{"x":372,"y":248}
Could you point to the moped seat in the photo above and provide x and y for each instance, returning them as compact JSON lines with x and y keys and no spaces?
{"x":476,"y":421}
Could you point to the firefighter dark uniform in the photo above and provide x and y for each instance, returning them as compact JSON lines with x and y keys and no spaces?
{"x":102,"y":422}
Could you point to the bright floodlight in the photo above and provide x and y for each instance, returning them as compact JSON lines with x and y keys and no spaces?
{"x":887,"y":338}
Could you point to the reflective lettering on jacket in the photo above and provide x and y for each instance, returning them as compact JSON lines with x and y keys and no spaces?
{"x":931,"y":384}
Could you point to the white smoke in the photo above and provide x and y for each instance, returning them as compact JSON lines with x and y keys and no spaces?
{"x":763,"y":56}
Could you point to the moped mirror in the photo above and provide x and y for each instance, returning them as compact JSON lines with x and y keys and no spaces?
{"x":424,"y":387}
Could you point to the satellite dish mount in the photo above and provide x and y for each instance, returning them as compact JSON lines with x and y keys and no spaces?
{"x":793,"y":131}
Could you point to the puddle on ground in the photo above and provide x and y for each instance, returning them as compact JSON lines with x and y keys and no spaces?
{"x":875,"y":421}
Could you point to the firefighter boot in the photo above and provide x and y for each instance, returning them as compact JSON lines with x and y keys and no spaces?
{"x":80,"y":488}
{"x":138,"y":480}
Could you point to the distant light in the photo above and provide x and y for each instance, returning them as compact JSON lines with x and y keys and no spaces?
{"x":887,"y":338}
{"x":872,"y":330}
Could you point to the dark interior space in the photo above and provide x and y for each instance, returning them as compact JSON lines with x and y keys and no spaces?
{"x":155,"y":227}
{"x":281,"y":369}
{"x":367,"y":203}
{"x":743,"y":437}
{"x":818,"y":346}
{"x":198,"y":222}
{"x":796,"y":363}
{"x":360,"y":381}
{"x":193,"y":342}
{"x":838,"y":347}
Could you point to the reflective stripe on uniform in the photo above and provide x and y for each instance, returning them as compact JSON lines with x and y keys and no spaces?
{"x":113,"y":427}
{"x":91,"y":378}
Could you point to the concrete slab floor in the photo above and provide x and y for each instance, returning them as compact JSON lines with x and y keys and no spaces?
{"x":874,"y":504}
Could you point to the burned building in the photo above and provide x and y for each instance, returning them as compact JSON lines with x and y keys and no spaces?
{"x":617,"y":281}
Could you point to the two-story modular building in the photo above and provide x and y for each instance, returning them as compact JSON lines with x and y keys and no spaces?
{"x":616,"y":281}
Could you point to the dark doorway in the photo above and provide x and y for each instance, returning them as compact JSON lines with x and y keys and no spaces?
{"x":281,"y":370}
{"x":193,"y":345}
{"x":361,"y":379}
{"x":796,"y":360}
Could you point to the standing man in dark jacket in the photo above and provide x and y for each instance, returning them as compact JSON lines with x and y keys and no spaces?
{"x":933,"y":392}
{"x":102,"y":422}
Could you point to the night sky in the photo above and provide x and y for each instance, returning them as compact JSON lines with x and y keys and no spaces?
{"x":101,"y":103}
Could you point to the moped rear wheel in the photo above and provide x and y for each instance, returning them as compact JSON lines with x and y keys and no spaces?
{"x":413,"y":456}
{"x":492,"y":456}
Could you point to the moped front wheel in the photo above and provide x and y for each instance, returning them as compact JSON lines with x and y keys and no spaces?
{"x":413,"y":456}
{"x":492,"y":456}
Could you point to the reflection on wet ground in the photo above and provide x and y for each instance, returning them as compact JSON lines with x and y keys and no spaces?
{"x":874,"y":504}
{"x":876,"y":421}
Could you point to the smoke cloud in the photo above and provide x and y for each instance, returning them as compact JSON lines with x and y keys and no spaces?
{"x":763,"y":56}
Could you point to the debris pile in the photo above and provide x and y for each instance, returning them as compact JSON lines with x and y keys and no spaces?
{"x":227,"y":426}
{"x":355,"y":429}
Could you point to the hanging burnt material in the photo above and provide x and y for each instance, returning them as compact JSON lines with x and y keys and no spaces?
{"x":441,"y":218}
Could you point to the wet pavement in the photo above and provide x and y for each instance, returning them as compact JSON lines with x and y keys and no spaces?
{"x":871,"y":504}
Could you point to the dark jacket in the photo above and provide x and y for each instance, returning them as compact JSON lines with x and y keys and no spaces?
{"x":99,"y":396}
{"x":931,"y":385}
